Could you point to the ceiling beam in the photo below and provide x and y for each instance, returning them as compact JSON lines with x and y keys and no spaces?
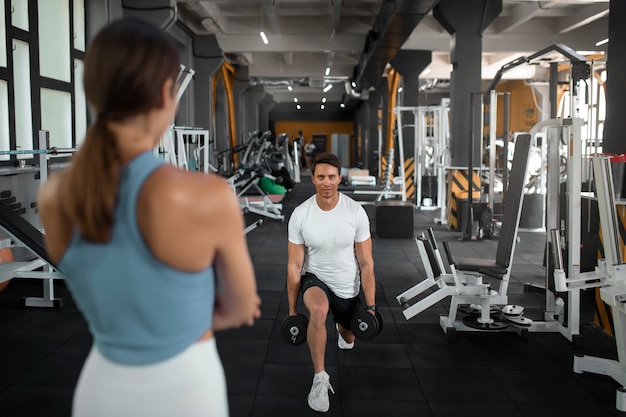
{"x":336,"y":16}
{"x":272,"y":17}
{"x":291,"y":43}
{"x":583,"y":17}
{"x":519,"y":15}
{"x":288,"y":58}
{"x":212,"y":20}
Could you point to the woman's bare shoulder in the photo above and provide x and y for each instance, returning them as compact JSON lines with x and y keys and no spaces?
{"x":197,"y":211}
{"x":191,"y":192}
{"x":174,"y":181}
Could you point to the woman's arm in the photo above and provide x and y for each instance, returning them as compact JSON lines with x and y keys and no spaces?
{"x":58,"y":230}
{"x":237,"y":302}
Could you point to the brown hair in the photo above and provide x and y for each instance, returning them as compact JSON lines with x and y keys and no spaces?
{"x":125,"y":69}
{"x":326,"y":158}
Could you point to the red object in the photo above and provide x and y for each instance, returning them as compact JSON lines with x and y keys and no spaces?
{"x":5,"y":256}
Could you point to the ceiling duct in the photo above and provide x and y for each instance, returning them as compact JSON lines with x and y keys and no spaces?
{"x":394,"y":24}
{"x":316,"y":82}
{"x":276,"y":82}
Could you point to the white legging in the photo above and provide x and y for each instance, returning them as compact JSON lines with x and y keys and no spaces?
{"x":191,"y":384}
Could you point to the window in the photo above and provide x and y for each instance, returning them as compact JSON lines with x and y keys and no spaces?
{"x":54,"y":39}
{"x":21,"y":86}
{"x":80,"y":125}
{"x":4,"y":119}
{"x":3,"y":37}
{"x":56,"y":117}
{"x":19,"y":14}
{"x":41,"y":74}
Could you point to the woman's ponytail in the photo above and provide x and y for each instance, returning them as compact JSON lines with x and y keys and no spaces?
{"x":91,"y":186}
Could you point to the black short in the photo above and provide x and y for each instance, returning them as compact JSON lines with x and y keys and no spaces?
{"x":342,"y":308}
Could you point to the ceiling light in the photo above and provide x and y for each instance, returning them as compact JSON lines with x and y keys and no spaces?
{"x":322,"y":106}
{"x":327,"y":88}
{"x":602,"y":42}
{"x":265,"y":41}
{"x":342,"y":105}
{"x":353,"y":84}
{"x":295,"y":99}
{"x":298,"y":107}
{"x":324,"y":100}
{"x":327,"y":70}
{"x":400,"y":89}
{"x":289,"y":88}
{"x":262,"y":32}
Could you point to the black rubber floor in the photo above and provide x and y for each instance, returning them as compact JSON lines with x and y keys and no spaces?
{"x":411,"y":369}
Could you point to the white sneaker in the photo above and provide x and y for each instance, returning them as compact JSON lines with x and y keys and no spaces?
{"x":341,"y":342}
{"x":318,"y":397}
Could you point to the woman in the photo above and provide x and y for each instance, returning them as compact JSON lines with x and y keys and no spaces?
{"x":155,"y":257}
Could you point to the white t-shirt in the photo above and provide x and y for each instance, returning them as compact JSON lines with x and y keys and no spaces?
{"x":329,"y":237}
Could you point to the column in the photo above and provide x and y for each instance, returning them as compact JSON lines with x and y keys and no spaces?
{"x":465,"y":21}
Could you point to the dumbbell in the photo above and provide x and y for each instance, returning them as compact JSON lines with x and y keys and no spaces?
{"x":293,"y":329}
{"x":365,"y":325}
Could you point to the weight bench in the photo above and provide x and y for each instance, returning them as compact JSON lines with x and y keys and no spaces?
{"x":465,"y":284}
{"x":500,"y":266}
{"x":453,"y":284}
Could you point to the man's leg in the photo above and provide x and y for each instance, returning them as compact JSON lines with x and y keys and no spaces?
{"x":343,"y":311}
{"x":316,"y":302}
{"x":347,"y":334}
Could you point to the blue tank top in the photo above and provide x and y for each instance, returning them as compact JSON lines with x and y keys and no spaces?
{"x":140,"y":310}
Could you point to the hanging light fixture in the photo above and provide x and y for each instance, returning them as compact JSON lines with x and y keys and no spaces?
{"x":262,"y":33}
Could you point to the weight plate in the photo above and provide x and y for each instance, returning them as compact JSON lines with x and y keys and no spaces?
{"x":293,"y":329}
{"x":520,"y":321}
{"x":364,"y":325}
{"x":380,"y":321}
{"x":472,"y":321}
{"x":512,"y":310}
{"x":470,"y":309}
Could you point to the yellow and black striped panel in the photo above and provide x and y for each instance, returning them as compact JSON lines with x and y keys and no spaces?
{"x":409,"y":179}
{"x":603,"y":316}
{"x":383,"y":166}
{"x":452,"y":216}
{"x":449,"y":200}
{"x":460,"y":181}
{"x":387,"y":162}
{"x":458,"y":189}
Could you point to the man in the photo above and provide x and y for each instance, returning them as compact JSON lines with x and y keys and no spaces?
{"x":309,"y":148}
{"x":330,"y":256}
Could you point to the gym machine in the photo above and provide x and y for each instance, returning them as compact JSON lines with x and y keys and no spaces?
{"x":468,"y":274}
{"x":246,"y":179}
{"x":466,"y":284}
{"x":24,"y":234}
{"x":609,"y":276}
{"x":431,"y":135}
{"x":388,"y":189}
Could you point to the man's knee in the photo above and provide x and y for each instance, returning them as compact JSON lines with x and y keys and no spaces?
{"x":317,"y":304}
{"x":318,"y":313}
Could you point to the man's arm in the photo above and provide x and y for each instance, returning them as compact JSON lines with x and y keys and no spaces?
{"x":364,"y":257}
{"x":294,"y":269}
